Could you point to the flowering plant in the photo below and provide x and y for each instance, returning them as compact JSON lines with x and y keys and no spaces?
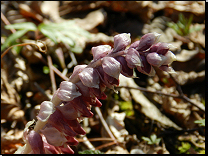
{"x":58,"y":119}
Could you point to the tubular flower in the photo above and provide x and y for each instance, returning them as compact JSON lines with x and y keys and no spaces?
{"x":58,"y":120}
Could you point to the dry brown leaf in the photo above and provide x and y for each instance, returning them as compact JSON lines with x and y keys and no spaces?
{"x":147,"y":108}
{"x":92,"y":19}
{"x":197,"y":8}
{"x":184,"y":78}
{"x":10,"y":101}
{"x":198,"y":36}
{"x":186,"y":55}
{"x":116,"y":125}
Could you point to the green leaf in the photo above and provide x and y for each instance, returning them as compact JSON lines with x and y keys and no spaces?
{"x":67,"y":32}
{"x":46,"y":70}
{"x":147,"y":139}
{"x":185,"y":147}
{"x":200,"y":122}
{"x":25,"y":25}
{"x":153,"y":137}
{"x":13,"y":38}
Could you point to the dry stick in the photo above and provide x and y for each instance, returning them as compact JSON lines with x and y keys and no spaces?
{"x":4,"y":19}
{"x":178,"y":87}
{"x":95,"y":139}
{"x":24,"y":44}
{"x":97,"y":109}
{"x":52,"y":76}
{"x":41,"y":90}
{"x":180,"y":96}
{"x":105,"y":145}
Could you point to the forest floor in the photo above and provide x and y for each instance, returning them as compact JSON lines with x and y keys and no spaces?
{"x":161,"y":114}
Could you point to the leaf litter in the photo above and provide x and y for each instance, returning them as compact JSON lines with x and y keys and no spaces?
{"x":76,"y":27}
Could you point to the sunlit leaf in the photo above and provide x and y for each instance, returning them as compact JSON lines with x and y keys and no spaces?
{"x":13,"y":38}
{"x":24,"y":25}
{"x":200,"y":122}
{"x":67,"y":32}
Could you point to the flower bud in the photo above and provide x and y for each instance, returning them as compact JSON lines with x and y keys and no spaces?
{"x":100,"y":51}
{"x":36,"y":142}
{"x":77,"y":70}
{"x":111,"y":67}
{"x":133,"y":58}
{"x":147,"y":41}
{"x":68,"y":91}
{"x":163,"y":48}
{"x":121,"y":41}
{"x":134,"y":45}
{"x":156,"y":59}
{"x":125,"y":70}
{"x":89,"y":77}
{"x":170,"y":57}
{"x":46,"y":109}
{"x":154,"y":47}
{"x":146,"y":66}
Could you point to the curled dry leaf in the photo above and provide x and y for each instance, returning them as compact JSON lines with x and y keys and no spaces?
{"x":197,"y":8}
{"x":198,"y":36}
{"x":184,"y":78}
{"x":10,"y":101}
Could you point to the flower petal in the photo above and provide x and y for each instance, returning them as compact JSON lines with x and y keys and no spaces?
{"x":125,"y":70}
{"x":57,"y":121}
{"x":133,"y":58}
{"x":170,"y":57}
{"x":100,"y":51}
{"x":89,"y":77}
{"x":68,"y":109}
{"x":77,"y":70}
{"x":121,"y":41}
{"x":68,"y":91}
{"x":147,"y":41}
{"x":53,"y":136}
{"x":155,"y":59}
{"x":46,"y":109}
{"x":111,"y":67}
{"x":36,"y":142}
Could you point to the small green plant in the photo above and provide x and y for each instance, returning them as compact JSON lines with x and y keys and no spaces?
{"x":200,"y":122}
{"x":152,"y":140}
{"x":184,"y":147}
{"x":90,"y":152}
{"x":127,"y":107}
{"x":182,"y":27}
{"x":66,"y":32}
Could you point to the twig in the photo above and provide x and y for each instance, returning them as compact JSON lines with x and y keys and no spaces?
{"x":96,"y":139}
{"x":181,"y":96}
{"x":97,"y":109}
{"x":105,"y":145}
{"x":41,"y":90}
{"x":24,"y":44}
{"x":178,"y":87}
{"x":87,"y":142}
{"x":149,"y":91}
{"x":52,"y":76}
{"x":4,"y":19}
{"x":179,"y":131}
